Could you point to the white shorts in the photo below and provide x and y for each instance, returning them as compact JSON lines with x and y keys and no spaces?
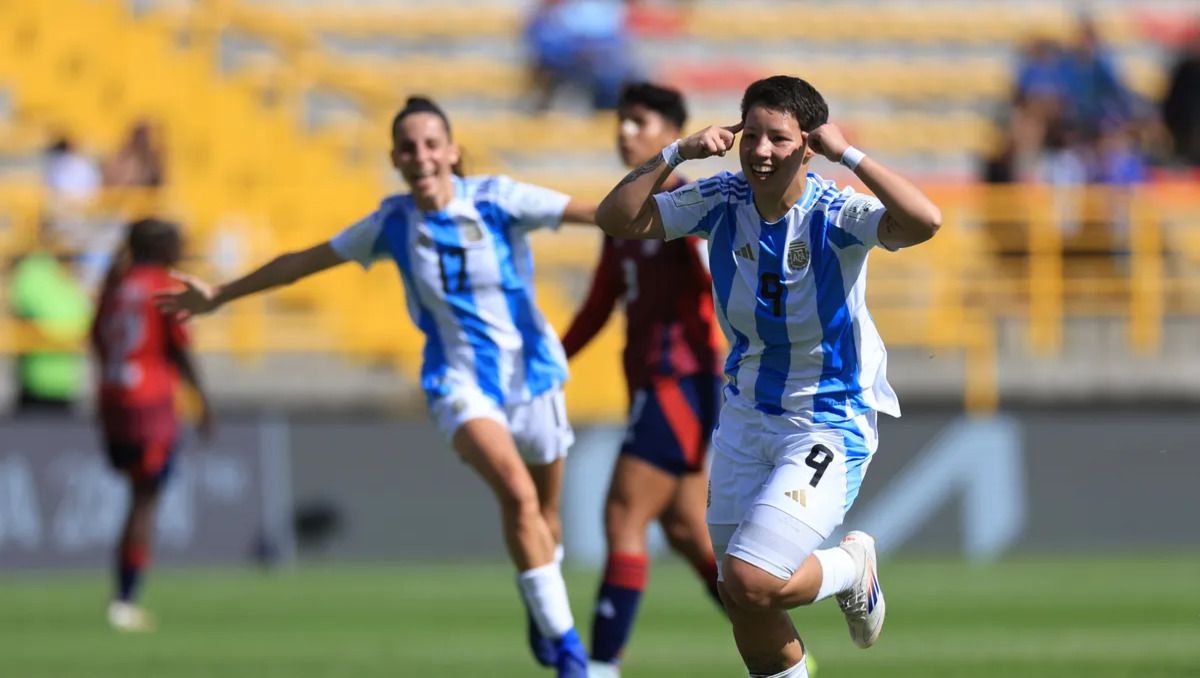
{"x":809,"y":471}
{"x":539,"y":427}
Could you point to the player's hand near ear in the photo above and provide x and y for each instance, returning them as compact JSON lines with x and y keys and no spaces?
{"x":710,"y":141}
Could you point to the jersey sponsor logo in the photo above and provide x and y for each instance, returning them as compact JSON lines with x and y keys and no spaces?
{"x":797,"y":256}
{"x":745,"y":252}
{"x":689,"y":195}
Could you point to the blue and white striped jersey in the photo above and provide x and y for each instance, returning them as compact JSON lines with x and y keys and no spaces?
{"x":791,"y":295}
{"x":468,"y":280}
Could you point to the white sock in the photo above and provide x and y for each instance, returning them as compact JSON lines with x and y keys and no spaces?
{"x":838,"y":572}
{"x":545,"y":595}
{"x":800,"y":670}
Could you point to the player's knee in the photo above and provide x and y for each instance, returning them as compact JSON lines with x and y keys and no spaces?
{"x":520,"y":501}
{"x":749,"y":588}
{"x":622,"y":528}
{"x":682,"y":533}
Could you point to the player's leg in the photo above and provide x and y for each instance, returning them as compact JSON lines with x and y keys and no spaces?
{"x":772,"y":561}
{"x":662,"y":441}
{"x":543,"y":435}
{"x":684,"y":521}
{"x":548,"y":479}
{"x":684,"y":525}
{"x":742,"y":463}
{"x":145,"y":467}
{"x":488,"y":447}
{"x":637,"y":494}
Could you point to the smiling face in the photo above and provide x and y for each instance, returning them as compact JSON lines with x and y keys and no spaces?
{"x":773,"y":150}
{"x":425,"y":156}
{"x":642,"y":132}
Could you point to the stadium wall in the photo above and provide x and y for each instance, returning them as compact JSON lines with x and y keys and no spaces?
{"x":368,"y":488}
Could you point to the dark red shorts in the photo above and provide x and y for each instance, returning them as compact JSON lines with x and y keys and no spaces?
{"x":671,"y":422}
{"x":143,"y":462}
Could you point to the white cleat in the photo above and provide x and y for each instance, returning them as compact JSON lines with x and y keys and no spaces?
{"x":129,"y":618}
{"x":863,"y":604}
{"x":603,"y":670}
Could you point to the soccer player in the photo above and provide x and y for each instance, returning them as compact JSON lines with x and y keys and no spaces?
{"x":142,"y":354}
{"x":493,"y":367}
{"x":806,"y":368}
{"x":672,"y":372}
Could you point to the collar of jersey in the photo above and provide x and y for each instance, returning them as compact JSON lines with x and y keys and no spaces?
{"x":812,"y":191}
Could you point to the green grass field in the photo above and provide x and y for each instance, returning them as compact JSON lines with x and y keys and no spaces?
{"x":1087,"y":617}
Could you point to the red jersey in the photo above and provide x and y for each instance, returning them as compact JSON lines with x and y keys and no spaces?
{"x":133,"y":341}
{"x":670,"y":327}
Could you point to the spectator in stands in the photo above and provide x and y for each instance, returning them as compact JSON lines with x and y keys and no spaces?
{"x":140,"y":162}
{"x":579,"y":43}
{"x":1181,"y":107}
{"x":55,"y":312}
{"x":72,"y":181}
{"x":1118,"y":158}
{"x":1040,"y":72}
{"x":68,"y":174}
{"x":1094,"y":94}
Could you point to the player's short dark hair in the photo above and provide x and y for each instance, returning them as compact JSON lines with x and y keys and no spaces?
{"x":665,"y":101}
{"x":422,"y":104}
{"x":790,"y":94}
{"x":153,"y":240}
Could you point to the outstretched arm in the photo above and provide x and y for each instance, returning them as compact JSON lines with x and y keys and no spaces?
{"x":197,"y":297}
{"x":578,"y":212}
{"x":629,"y":211}
{"x":601,"y":298}
{"x":911,"y":217}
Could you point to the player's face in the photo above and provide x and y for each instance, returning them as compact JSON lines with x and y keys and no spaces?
{"x":424,"y":154}
{"x":641,"y":133}
{"x":772,"y":149}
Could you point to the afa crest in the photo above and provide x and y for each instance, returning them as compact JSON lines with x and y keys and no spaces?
{"x":797,"y":255}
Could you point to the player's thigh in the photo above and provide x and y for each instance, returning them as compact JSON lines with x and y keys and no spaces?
{"x":805,"y":497}
{"x":548,"y":479}
{"x":690,"y":500}
{"x":147,"y":463}
{"x":486,"y":445}
{"x":736,"y":474}
{"x":819,"y":469}
{"x":540,"y":427}
{"x":638,"y":493}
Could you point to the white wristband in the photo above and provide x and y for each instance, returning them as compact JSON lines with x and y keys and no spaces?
{"x":671,"y":155}
{"x":851,"y":157}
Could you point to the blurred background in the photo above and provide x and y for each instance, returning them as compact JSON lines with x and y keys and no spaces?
{"x":1037,"y":501}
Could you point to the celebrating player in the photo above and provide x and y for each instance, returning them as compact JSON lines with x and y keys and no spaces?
{"x":142,"y":352}
{"x":806,"y":368}
{"x":672,"y":370}
{"x":493,"y":367}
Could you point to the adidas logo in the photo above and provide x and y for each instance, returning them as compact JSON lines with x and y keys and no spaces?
{"x":797,"y":496}
{"x":606,"y":609}
{"x":745,"y":252}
